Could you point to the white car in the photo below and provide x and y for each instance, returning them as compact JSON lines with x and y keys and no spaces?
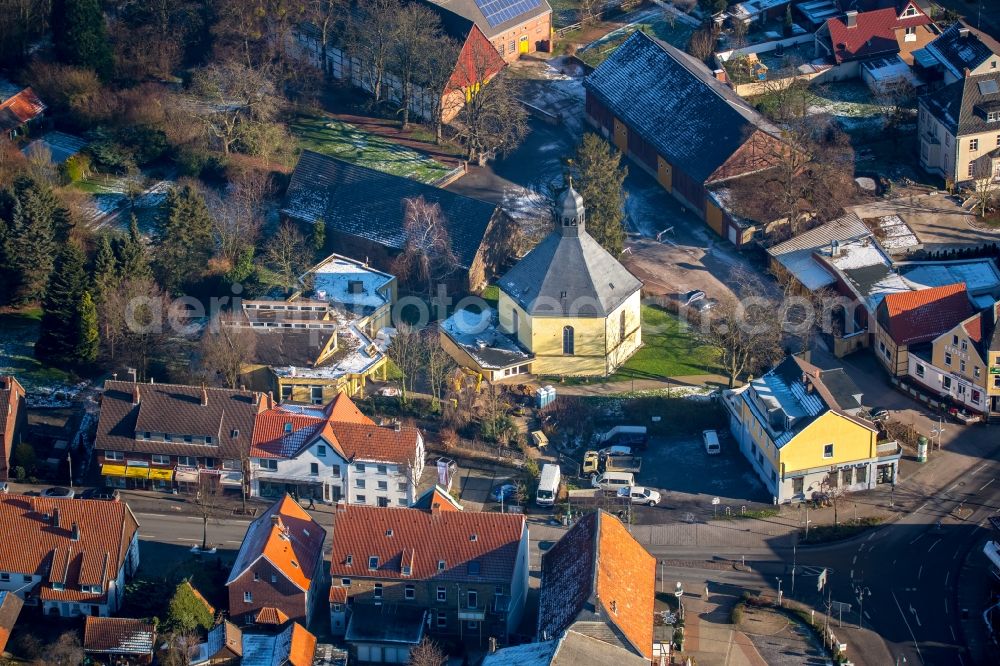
{"x":616,"y":450}
{"x":640,"y":495}
{"x":711,"y":440}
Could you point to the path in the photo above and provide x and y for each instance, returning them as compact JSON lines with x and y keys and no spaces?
{"x":631,"y":386}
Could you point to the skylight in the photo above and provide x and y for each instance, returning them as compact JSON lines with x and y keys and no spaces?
{"x":373,"y":562}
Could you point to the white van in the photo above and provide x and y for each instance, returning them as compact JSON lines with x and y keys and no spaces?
{"x":612,"y":480}
{"x":711,"y":439}
{"x":548,"y":485}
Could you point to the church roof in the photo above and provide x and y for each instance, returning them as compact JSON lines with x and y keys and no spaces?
{"x":569,"y":275}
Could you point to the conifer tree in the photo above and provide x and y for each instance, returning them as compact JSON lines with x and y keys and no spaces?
{"x":184,"y":239}
{"x":29,"y":212}
{"x":133,"y":259}
{"x":59,"y":337}
{"x":88,"y":341}
{"x":80,"y":35}
{"x":599,"y":177}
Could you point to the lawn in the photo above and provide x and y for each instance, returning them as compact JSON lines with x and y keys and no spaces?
{"x":668,"y":350}
{"x":678,"y":34}
{"x":18,"y":332}
{"x":326,"y":135}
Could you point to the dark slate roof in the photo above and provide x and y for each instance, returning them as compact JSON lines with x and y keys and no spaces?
{"x":385,"y":624}
{"x":369,"y":204}
{"x":469,"y":9}
{"x":958,"y":52}
{"x":962,"y":106}
{"x":843,"y":389}
{"x":569,"y":275}
{"x":673,"y":102}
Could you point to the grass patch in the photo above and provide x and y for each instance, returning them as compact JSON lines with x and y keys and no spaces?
{"x":492,"y":295}
{"x":828,"y":533}
{"x":18,"y":333}
{"x":668,"y":350}
{"x":323,"y":134}
{"x":597,"y":52}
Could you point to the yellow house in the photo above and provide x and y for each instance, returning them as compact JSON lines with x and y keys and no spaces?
{"x":803,"y":431}
{"x":566,"y":308}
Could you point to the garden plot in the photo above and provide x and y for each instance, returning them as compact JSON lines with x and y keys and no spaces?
{"x":345,"y":141}
{"x":849,"y":103}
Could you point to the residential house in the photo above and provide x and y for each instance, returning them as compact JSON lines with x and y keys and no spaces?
{"x":792,"y":260}
{"x":10,"y":610}
{"x":72,"y":557}
{"x":909,"y":319}
{"x":223,"y":647}
{"x":962,"y":365}
{"x":364,"y":211}
{"x":57,"y":146}
{"x":888,"y":33}
{"x":13,"y":421}
{"x":568,"y":306}
{"x":165,"y":436}
{"x":572,"y":648}
{"x":689,"y":131}
{"x":959,"y":51}
{"x":476,"y":63}
{"x":335,"y":453}
{"x":279,"y":565}
{"x":119,"y":641}
{"x":599,"y":581}
{"x":959,"y":130}
{"x":802,"y":431}
{"x":514,"y":27}
{"x":295,"y":646}
{"x":456,"y":575}
{"x":18,"y":108}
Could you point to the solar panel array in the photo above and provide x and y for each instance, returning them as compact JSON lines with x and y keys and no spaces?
{"x":501,"y":11}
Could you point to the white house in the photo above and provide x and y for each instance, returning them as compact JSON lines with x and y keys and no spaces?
{"x":71,"y":556}
{"x":332,"y":453}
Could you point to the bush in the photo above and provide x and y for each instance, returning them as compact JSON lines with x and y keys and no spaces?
{"x":111,"y":156}
{"x":146,"y":144}
{"x":736,"y":615}
{"x":76,"y":168}
{"x":531,"y":467}
{"x":19,"y":473}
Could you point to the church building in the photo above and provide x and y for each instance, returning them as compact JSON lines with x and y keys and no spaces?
{"x":568,"y":307}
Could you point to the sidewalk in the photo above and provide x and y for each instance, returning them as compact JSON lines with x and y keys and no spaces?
{"x":629,"y":386}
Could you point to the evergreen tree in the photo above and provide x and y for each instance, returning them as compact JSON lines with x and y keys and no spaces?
{"x":88,"y":341}
{"x":133,"y":260}
{"x":184,"y":238}
{"x":187,"y":612}
{"x":80,"y":35}
{"x":31,"y":214}
{"x":599,"y":178}
{"x":105,"y":264}
{"x":318,"y":236}
{"x":59,"y":337}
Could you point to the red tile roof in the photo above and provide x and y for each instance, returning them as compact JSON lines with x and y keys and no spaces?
{"x":425,"y":539}
{"x":19,"y":109}
{"x":287,"y":537}
{"x":105,"y":531}
{"x":342,"y":409}
{"x":118,"y":635}
{"x":913,"y":317}
{"x":11,"y":402}
{"x":302,"y":648}
{"x":281,"y":432}
{"x":270,"y":615}
{"x":874,"y":33}
{"x":598,"y":573}
{"x":10,"y":609}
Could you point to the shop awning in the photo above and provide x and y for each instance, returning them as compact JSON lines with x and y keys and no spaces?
{"x":113,"y":470}
{"x":161,"y":474}
{"x":137,"y":472}
{"x":185,"y":476}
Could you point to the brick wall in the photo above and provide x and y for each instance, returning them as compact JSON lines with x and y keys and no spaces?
{"x":271,"y":588}
{"x":538,"y":32}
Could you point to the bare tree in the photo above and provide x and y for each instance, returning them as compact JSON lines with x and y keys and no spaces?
{"x":407,"y":351}
{"x":286,"y":257}
{"x":134,"y":317}
{"x":418,"y":30}
{"x":702,"y":43}
{"x":239,"y":215}
{"x":229,"y":95}
{"x":226,"y":347}
{"x":371,"y":37}
{"x":439,"y":365}
{"x":427,"y":653}
{"x":427,"y":257}
{"x":745,"y":329}
{"x":206,"y":502}
{"x":329,"y":18}
{"x":436,"y":79}
{"x":494,"y":415}
{"x":590,"y":11}
{"x":492,"y":120}
{"x":64,"y":651}
{"x":983,"y":186}
{"x":833,"y":491}
{"x":893,"y":100}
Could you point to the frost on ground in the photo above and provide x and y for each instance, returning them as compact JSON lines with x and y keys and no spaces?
{"x":44,"y":386}
{"x":110,"y":207}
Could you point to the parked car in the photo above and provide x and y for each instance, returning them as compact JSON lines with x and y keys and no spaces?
{"x":59,"y":492}
{"x":106,"y":494}
{"x":692,"y":296}
{"x":640,"y":495}
{"x":878,"y":414}
{"x":711,"y":441}
{"x":504,"y":492}
{"x":612,"y":480}
{"x":617,"y":450}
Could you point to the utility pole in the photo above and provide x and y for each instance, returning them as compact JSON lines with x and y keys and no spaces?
{"x":778,"y":578}
{"x":795,"y":540}
{"x":69,"y":462}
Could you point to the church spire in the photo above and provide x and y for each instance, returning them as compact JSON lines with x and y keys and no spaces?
{"x":572,"y":216}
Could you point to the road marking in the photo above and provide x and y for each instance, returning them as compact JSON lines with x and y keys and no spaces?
{"x":946,"y":577}
{"x":867,"y":616}
{"x":168,"y":515}
{"x":986,"y":484}
{"x":946,"y":606}
{"x":952,"y":486}
{"x":953,"y":637}
{"x":960,"y":660}
{"x":980,"y":467}
{"x":873,"y":534}
{"x":933,"y":544}
{"x":918,"y":536}
{"x":852,"y":574}
{"x":915,"y":616}
{"x":186,"y":539}
{"x":920,"y":572}
{"x":855,"y":560}
{"x":894,"y":562}
{"x":920,"y":508}
{"x":907,"y":623}
{"x":234,"y":541}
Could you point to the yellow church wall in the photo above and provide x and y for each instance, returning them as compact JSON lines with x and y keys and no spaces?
{"x":621,"y":349}
{"x":506,"y":306}
{"x":850,"y":440}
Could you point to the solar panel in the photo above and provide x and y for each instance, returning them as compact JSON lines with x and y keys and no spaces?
{"x":988,"y":87}
{"x":501,"y":11}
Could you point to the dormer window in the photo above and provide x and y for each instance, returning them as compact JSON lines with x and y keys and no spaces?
{"x":406,"y":570}
{"x":909,"y":11}
{"x":58,"y":587}
{"x":235,"y":433}
{"x":349,"y":561}
{"x":473,"y":537}
{"x":441,"y":565}
{"x":373,"y":562}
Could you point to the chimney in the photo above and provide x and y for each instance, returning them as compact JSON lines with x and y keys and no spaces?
{"x":204,"y":396}
{"x":55,"y":517}
{"x":435,"y":507}
{"x":270,"y":400}
{"x":851,"y":18}
{"x":720,"y":75}
{"x":341,"y":506}
{"x":963,"y":33}
{"x":276,"y":520}
{"x":75,"y":535}
{"x":135,"y":394}
{"x":397,"y":426}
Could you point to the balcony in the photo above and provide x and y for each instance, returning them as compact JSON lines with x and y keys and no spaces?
{"x":885,"y":450}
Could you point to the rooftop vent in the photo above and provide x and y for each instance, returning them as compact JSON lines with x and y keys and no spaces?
{"x":963,"y":33}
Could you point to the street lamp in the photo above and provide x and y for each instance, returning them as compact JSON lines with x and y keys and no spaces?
{"x":861,"y":591}
{"x":936,"y":433}
{"x":777,"y":578}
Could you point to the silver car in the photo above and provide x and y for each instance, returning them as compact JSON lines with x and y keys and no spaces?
{"x":640,"y":495}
